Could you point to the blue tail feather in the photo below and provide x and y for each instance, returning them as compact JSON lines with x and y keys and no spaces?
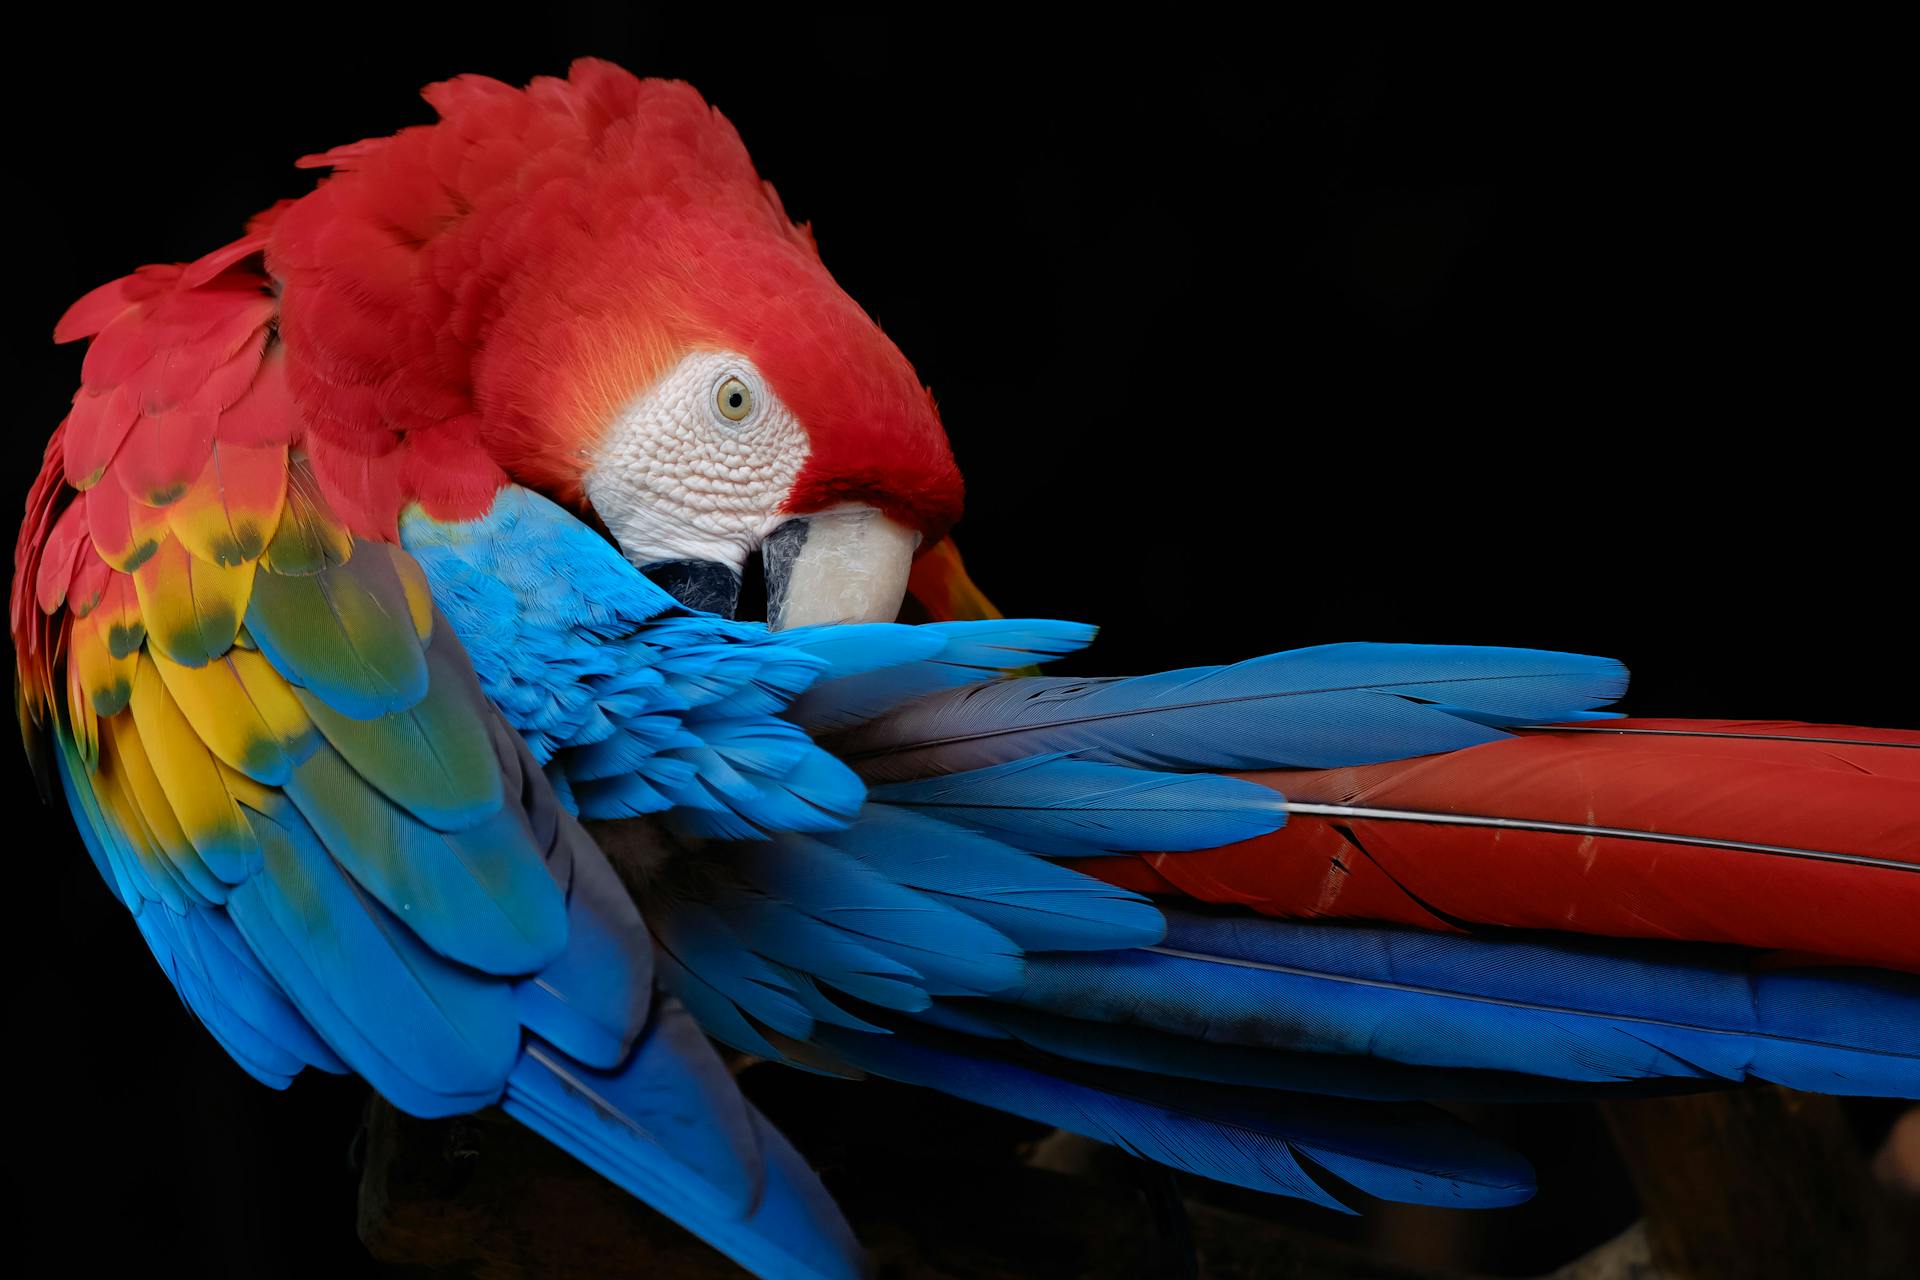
{"x":670,"y":1112}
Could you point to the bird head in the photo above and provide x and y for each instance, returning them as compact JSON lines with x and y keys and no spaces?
{"x":585,"y":287}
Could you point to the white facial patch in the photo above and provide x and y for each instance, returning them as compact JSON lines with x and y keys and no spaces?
{"x":696,"y":468}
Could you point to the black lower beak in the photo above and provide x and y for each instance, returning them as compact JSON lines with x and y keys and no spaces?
{"x":713,"y":587}
{"x":706,"y":585}
{"x":778,"y":554}
{"x":849,"y":564}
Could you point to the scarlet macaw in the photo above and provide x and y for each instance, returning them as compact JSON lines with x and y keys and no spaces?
{"x":405,"y":767}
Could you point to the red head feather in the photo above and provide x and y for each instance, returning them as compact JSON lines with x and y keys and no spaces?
{"x":460,"y":304}
{"x":477,"y":298}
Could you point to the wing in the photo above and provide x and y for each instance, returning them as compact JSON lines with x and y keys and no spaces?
{"x":279,"y":755}
{"x":1064,"y":1018}
{"x":926,"y":930}
{"x":637,"y":706}
{"x":1795,"y":837}
{"x":1764,"y":836}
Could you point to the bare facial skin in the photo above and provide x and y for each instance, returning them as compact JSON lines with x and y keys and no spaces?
{"x":678,"y":477}
{"x":691,"y":477}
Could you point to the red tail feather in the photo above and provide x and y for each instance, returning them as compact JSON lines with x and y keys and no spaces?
{"x":1769,"y":834}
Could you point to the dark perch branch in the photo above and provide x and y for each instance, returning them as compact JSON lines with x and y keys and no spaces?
{"x":1750,"y":1183}
{"x":1759,"y":1183}
{"x":481,"y":1197}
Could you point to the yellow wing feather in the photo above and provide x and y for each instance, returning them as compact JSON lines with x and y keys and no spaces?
{"x":185,"y":739}
{"x":234,"y":507}
{"x":243,"y":710}
{"x":186,"y":770}
{"x":192,"y":607}
{"x":413,"y":580}
{"x":106,"y":677}
{"x":143,"y":789}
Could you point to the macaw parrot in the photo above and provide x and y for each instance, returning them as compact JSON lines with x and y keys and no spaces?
{"x":373,"y":612}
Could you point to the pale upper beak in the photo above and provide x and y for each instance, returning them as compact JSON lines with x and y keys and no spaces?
{"x":847,"y":564}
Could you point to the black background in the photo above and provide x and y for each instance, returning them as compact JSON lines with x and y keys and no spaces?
{"x":1246,"y":338}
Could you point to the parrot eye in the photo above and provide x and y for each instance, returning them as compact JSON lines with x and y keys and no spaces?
{"x":734,"y":400}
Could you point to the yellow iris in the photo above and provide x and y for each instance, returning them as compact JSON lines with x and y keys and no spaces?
{"x":734,"y":400}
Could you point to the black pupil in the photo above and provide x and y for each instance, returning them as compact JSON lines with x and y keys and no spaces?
{"x":733,"y":400}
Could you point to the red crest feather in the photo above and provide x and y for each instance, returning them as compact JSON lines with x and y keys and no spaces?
{"x":520,"y":270}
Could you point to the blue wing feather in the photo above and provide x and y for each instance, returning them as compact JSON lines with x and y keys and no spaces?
{"x":1038,"y":905}
{"x":592,"y":1000}
{"x":435,"y":1037}
{"x":669,"y":1113}
{"x":1066,"y":807}
{"x":255,"y":1053}
{"x":716,"y":1012}
{"x":1316,"y":708}
{"x":702,"y":942}
{"x":1251,"y":1138}
{"x":972,"y":652}
{"x":480,"y":896}
{"x":1138,"y":1048}
{"x":233,"y":972}
{"x":1575,"y":1010}
{"x":956,"y":953}
{"x":856,"y":648}
{"x":784,"y":933}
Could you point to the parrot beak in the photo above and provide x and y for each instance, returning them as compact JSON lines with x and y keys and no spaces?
{"x":849,"y":564}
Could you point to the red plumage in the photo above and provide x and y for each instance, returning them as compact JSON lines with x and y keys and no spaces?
{"x":461,"y":304}
{"x":35,"y":635}
{"x":478,"y":298}
{"x":60,"y":560}
{"x":475,"y":300}
{"x":1769,"y":834}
